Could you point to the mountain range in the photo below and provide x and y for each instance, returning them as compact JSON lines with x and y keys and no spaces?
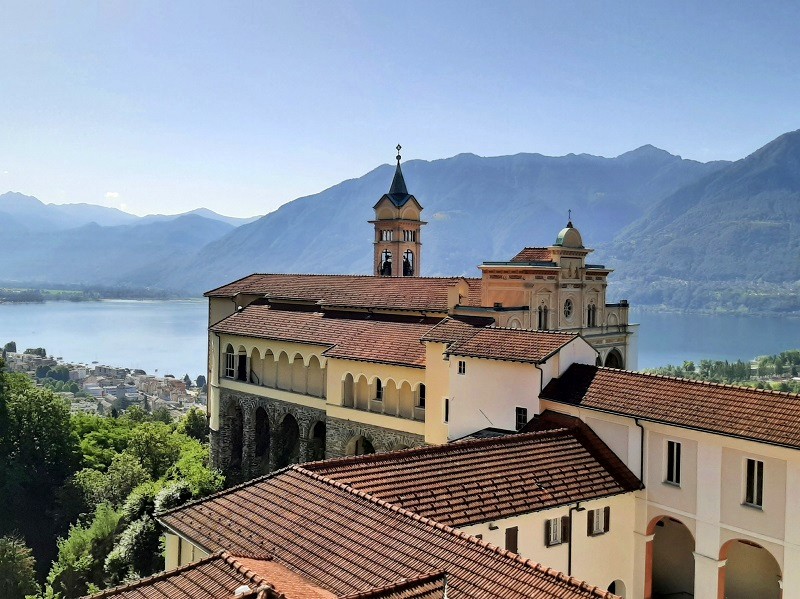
{"x":680,"y":233}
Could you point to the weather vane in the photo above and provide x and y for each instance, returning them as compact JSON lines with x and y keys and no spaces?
{"x":399,"y":147}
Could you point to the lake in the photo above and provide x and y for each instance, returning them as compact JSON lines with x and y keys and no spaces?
{"x":169,"y":337}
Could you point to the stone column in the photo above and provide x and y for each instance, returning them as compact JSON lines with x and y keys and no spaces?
{"x":642,"y":566}
{"x":248,"y":437}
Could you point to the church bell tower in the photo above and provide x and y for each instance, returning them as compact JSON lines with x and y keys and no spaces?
{"x":397,"y":244}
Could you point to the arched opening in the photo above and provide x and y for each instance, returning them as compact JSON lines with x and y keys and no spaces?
{"x":591,"y":316}
{"x":612,"y":320}
{"x":421,"y":396}
{"x":391,"y":398}
{"x":614,"y":359}
{"x":236,"y":429}
{"x":750,"y":571}
{"x":514,"y":323}
{"x":316,"y":442}
{"x":298,"y":375}
{"x":385,"y":268}
{"x":542,"y":318}
{"x":256,"y":367}
{"x":618,"y":588}
{"x":269,"y":371}
{"x":359,"y":446}
{"x":288,"y":443}
{"x":230,"y":362}
{"x":316,"y":378}
{"x":241,"y":365}
{"x":408,"y":263}
{"x":670,"y":560}
{"x":348,"y":391}
{"x":598,"y":361}
{"x":284,"y":373}
{"x":378,"y":395}
{"x":262,"y":440}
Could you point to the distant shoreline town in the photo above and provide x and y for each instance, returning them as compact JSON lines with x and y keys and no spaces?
{"x":107,"y":390}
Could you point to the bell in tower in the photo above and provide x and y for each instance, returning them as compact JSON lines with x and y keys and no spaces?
{"x":397,"y":230}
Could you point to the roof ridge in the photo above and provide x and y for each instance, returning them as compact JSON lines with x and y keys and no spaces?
{"x":696,"y":381}
{"x":240,"y":567}
{"x":398,"y":584}
{"x":525,"y":330}
{"x":360,"y":276}
{"x":388,"y":456}
{"x":157,"y":576}
{"x":457,"y":533}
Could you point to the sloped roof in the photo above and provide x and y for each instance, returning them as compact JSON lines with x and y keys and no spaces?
{"x":469,"y":482}
{"x":215,"y":577}
{"x":427,"y":586}
{"x":533,"y":255}
{"x":399,"y":293}
{"x":349,"y":541}
{"x":765,"y":416}
{"x":348,"y":338}
{"x":516,"y":345}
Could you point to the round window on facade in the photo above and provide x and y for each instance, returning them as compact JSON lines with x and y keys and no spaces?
{"x":568,"y":308}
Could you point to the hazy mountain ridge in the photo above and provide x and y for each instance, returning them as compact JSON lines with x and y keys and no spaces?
{"x":679,"y":232}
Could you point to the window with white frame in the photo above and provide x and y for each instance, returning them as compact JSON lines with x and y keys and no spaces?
{"x":673,"y":474}
{"x":754,"y":483}
{"x":556,"y":531}
{"x":230,"y":363}
{"x":598,"y":521}
{"x":462,"y":367}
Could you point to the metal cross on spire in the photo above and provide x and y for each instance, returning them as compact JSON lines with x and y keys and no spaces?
{"x":399,"y":147}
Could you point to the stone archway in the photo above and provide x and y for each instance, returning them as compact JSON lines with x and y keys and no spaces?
{"x":316,"y":442}
{"x":618,"y":588}
{"x":669,"y":570}
{"x":287,"y":443}
{"x":359,"y":445}
{"x":750,"y":571}
{"x":614,"y":359}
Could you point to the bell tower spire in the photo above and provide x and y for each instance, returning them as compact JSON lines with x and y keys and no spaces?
{"x":397,"y":245}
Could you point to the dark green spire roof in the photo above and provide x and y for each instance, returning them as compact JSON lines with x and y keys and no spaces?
{"x":398,"y":192}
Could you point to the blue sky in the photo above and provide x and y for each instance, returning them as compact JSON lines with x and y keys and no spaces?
{"x":242,"y":106}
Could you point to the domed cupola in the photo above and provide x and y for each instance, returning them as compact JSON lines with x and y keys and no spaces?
{"x":569,"y":237}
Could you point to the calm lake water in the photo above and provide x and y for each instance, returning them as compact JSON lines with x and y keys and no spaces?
{"x":169,"y":337}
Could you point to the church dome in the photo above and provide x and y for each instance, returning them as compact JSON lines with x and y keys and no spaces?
{"x":569,"y":237}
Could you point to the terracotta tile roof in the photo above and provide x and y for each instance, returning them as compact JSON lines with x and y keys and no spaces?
{"x":284,"y":581}
{"x":517,"y":345}
{"x":215,"y":577}
{"x":533,"y":255}
{"x":349,"y":541}
{"x":427,"y":586}
{"x":766,"y":416}
{"x":450,"y":330}
{"x":469,"y":482}
{"x":347,"y":338}
{"x":413,"y":293}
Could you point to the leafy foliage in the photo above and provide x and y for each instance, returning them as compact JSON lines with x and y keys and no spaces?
{"x":17,"y":569}
{"x":195,"y":425}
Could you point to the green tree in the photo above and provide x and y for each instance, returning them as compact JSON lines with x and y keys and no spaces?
{"x":155,"y":446}
{"x":11,"y":346}
{"x":161,"y":414}
{"x":201,"y":381}
{"x":187,"y":380}
{"x":194,"y":424}
{"x":17,"y":569}
{"x":82,"y":554}
{"x":688,"y":366}
{"x":124,"y":474}
{"x":36,"y":351}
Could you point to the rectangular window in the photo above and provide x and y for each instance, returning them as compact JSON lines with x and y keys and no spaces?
{"x":556,"y":531}
{"x":598,"y":521}
{"x":230,"y":365}
{"x":673,"y":463}
{"x":512,"y":535}
{"x":522,"y":417}
{"x":409,"y":236}
{"x":446,"y":410}
{"x":421,"y":397}
{"x":378,"y":390}
{"x":754,"y":483}
{"x":462,"y":367}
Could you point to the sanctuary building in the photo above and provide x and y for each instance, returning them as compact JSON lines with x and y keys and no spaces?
{"x":473,"y":437}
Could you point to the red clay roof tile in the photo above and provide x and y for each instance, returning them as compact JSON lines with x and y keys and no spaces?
{"x":766,"y":416}
{"x":518,"y":345}
{"x":481,"y":480}
{"x":349,"y":541}
{"x":411,"y":293}
{"x":533,"y":255}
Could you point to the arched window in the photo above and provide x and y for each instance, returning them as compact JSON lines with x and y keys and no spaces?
{"x":591,"y":316}
{"x":386,"y":235}
{"x":378,"y":390}
{"x":408,"y":264}
{"x":385,"y":267}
